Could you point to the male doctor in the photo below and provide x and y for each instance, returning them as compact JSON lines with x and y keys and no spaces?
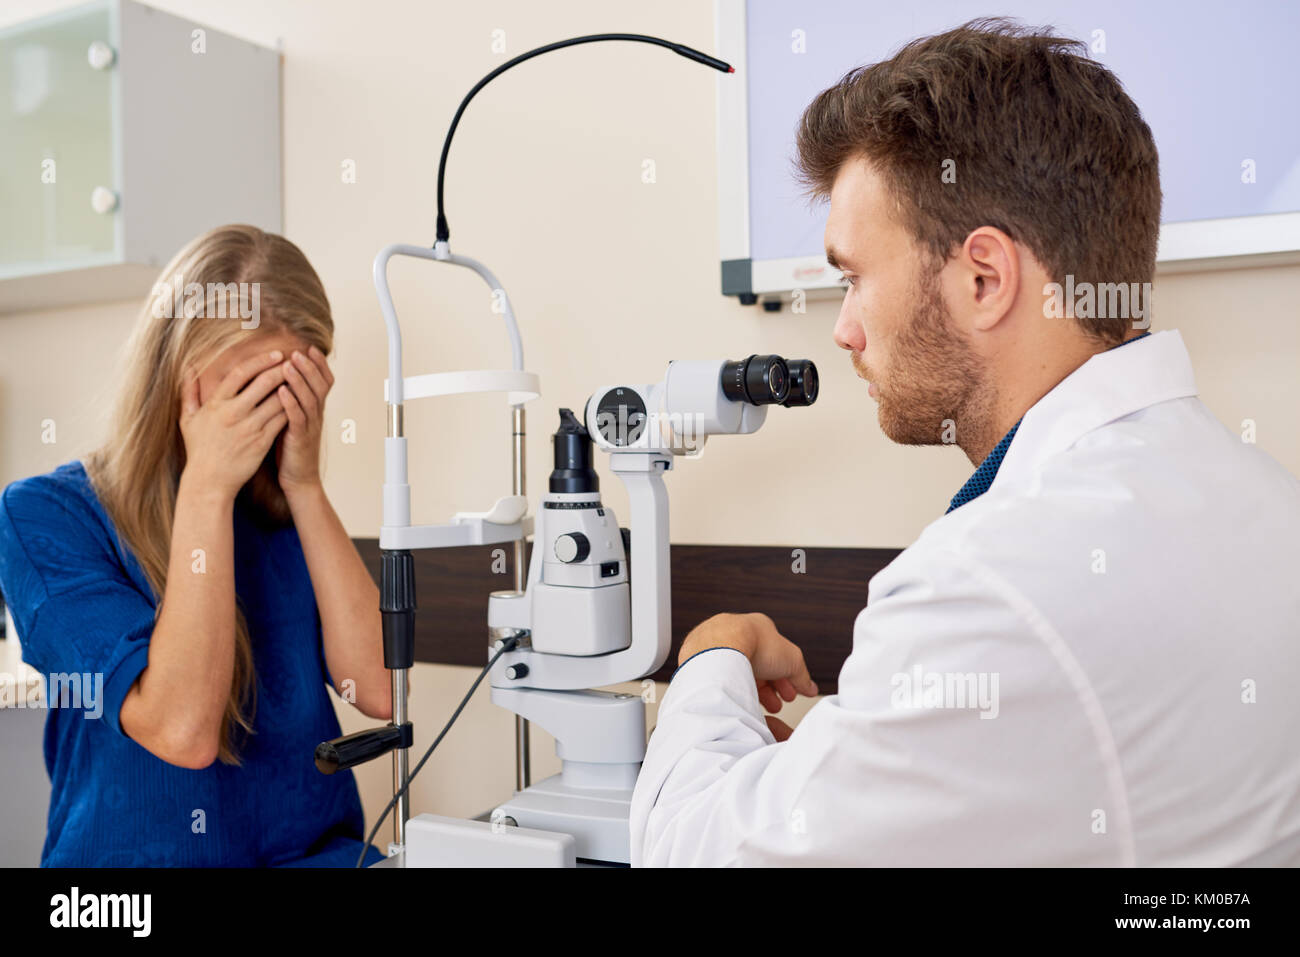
{"x":1093,"y":658}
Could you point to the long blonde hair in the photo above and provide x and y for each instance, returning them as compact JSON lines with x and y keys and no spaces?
{"x":135,"y":473}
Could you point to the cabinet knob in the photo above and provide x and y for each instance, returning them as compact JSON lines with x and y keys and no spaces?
{"x":100,"y":55}
{"x":103,"y":200}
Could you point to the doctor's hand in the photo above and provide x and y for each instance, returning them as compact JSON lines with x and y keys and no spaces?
{"x":307,"y":380}
{"x":779,"y":668}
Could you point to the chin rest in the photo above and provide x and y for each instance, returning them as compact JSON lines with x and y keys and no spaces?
{"x":506,"y":511}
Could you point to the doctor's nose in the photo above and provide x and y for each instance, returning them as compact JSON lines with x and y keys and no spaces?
{"x":848,"y":332}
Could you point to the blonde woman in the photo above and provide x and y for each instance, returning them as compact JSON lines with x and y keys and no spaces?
{"x":193,"y":567}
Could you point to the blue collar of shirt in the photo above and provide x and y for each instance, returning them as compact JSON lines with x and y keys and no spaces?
{"x":979,"y":483}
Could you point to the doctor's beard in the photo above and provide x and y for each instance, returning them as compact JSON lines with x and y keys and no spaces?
{"x":934,"y":378}
{"x":262,"y":497}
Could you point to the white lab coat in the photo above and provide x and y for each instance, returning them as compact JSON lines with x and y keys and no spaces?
{"x":1131,"y":578}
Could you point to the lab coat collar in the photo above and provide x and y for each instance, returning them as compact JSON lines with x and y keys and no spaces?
{"x":1109,"y":386}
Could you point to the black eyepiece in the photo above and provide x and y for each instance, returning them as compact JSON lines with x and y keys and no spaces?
{"x":758,"y":380}
{"x":573,"y":471}
{"x":803,"y":382}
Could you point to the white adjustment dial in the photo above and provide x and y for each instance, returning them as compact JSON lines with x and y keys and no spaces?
{"x":573,"y":547}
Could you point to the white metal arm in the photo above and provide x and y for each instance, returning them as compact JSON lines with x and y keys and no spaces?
{"x":469,"y":527}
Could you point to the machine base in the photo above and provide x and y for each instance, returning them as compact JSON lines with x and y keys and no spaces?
{"x":597,"y":818}
{"x":436,"y":841}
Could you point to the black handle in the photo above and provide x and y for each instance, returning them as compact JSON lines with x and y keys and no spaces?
{"x":360,"y":747}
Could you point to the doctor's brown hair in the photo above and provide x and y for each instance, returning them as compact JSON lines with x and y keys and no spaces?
{"x":1043,"y":142}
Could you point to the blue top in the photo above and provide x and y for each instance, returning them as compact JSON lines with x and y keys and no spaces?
{"x":83,"y":606}
{"x":979,"y":483}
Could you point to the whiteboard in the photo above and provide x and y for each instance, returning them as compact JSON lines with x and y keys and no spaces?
{"x":1218,"y":84}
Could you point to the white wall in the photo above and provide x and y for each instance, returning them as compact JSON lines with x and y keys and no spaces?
{"x":611,"y":278}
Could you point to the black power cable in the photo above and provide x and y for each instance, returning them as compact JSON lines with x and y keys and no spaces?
{"x":444,"y":232}
{"x":506,"y":645}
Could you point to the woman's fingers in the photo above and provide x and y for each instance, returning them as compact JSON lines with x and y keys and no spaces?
{"x":319,"y":358}
{"x":235,"y":380}
{"x":256,"y":391}
{"x":302,"y":389}
{"x":297,"y":417}
{"x":311,"y":371}
{"x":272,"y":428}
{"x":269,"y":408}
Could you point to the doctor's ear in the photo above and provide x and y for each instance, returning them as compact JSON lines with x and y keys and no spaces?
{"x":988,"y":269}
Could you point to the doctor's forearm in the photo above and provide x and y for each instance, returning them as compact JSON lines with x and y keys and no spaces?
{"x":702,"y":790}
{"x":347,"y":598}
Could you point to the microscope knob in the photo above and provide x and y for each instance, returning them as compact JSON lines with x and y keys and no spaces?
{"x":572,"y":547}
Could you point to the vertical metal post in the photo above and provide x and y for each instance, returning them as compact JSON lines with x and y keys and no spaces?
{"x":401,"y":756}
{"x":401,"y":760}
{"x":523,"y":771}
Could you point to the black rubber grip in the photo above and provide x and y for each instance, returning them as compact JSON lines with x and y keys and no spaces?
{"x":396,"y":580}
{"x":360,"y":747}
{"x":397,"y":607}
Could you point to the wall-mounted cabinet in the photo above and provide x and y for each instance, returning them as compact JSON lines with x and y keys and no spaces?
{"x":124,"y":133}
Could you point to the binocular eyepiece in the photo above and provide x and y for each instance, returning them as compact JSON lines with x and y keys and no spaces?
{"x":770,"y":380}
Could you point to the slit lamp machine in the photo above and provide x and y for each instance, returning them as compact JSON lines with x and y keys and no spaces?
{"x":595,"y":606}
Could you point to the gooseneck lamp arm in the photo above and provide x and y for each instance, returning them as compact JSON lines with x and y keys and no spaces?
{"x":444,"y":232}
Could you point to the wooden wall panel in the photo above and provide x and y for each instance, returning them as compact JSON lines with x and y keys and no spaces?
{"x":815,"y":609}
